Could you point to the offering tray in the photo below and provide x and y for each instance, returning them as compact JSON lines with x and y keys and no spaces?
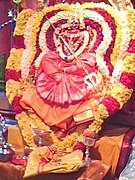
{"x":6,"y":152}
{"x":42,"y":137}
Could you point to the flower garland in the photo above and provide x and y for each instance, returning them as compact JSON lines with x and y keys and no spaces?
{"x":21,"y":22}
{"x":131,"y":15}
{"x":33,"y":27}
{"x":30,"y":43}
{"x":29,"y":121}
{"x":113,"y":14}
{"x":16,"y":88}
{"x":14,"y":59}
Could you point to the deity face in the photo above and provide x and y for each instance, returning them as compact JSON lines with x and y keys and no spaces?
{"x":75,"y":24}
{"x":73,"y":38}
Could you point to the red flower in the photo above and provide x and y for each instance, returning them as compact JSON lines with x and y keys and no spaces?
{"x":16,"y":105}
{"x":131,"y":48}
{"x":111,"y":104}
{"x":12,"y":74}
{"x":128,"y":80}
{"x":18,"y":42}
{"x":79,"y":146}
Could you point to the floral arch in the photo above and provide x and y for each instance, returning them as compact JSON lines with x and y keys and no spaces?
{"x":113,"y":44}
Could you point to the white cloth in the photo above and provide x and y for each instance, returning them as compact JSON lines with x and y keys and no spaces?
{"x":128,"y":172}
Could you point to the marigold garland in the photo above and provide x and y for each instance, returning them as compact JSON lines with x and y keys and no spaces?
{"x":21,"y":21}
{"x":123,"y":97}
{"x":13,"y":62}
{"x":129,"y":63}
{"x":29,"y":31}
{"x":16,"y":88}
{"x":25,"y":123}
{"x":102,"y":111}
{"x":30,"y":44}
{"x":12,"y":90}
{"x":30,"y":120}
{"x":131,"y":15}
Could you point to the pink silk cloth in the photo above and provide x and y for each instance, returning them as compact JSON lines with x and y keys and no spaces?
{"x":60,"y":82}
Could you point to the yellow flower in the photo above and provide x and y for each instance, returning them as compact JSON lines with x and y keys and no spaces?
{"x":21,"y":21}
{"x":29,"y":121}
{"x":100,"y":113}
{"x":118,"y":39}
{"x":129,"y":63}
{"x":64,"y":6}
{"x":16,"y":88}
{"x":68,"y":142}
{"x":23,"y":119}
{"x":37,"y":122}
{"x":12,"y":90}
{"x":131,"y":21}
{"x":96,"y":125}
{"x":121,"y":93}
{"x":14,"y":59}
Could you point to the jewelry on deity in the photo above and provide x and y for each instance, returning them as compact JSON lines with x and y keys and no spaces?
{"x":75,"y":51}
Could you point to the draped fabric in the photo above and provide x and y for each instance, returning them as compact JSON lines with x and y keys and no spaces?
{"x":60,"y":93}
{"x":61,"y":82}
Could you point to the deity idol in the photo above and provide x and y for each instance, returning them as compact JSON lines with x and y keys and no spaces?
{"x":67,"y":78}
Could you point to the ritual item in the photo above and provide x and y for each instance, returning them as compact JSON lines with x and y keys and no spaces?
{"x":42,"y":137}
{"x":89,"y":139}
{"x":6,"y":150}
{"x":88,"y":142}
{"x":4,"y":128}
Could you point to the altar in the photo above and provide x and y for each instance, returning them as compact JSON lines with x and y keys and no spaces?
{"x":70,"y":71}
